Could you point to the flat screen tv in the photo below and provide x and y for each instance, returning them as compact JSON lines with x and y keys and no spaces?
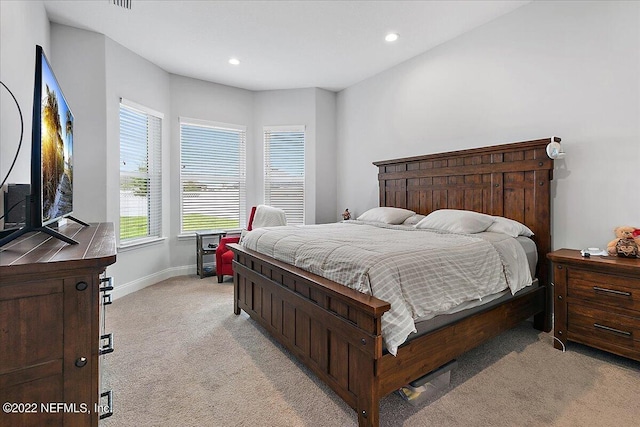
{"x":52,"y":165}
{"x":51,"y":197}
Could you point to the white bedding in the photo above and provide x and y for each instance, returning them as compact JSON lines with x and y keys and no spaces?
{"x":421,"y":273}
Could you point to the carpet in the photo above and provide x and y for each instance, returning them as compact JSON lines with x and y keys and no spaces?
{"x":182,"y":358}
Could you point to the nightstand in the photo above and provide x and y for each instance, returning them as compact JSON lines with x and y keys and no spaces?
{"x":597,"y":302}
{"x":206,"y":244}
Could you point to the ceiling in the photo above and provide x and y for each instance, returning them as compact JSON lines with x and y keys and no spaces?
{"x":281,"y":44}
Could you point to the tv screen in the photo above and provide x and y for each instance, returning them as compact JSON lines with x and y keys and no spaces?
{"x":52,"y":154}
{"x":51,"y":187}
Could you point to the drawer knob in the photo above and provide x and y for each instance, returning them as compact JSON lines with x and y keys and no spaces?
{"x":559,"y":267}
{"x":559,"y":296}
{"x":81,"y":286}
{"x":80,"y":362}
{"x":559,"y":332}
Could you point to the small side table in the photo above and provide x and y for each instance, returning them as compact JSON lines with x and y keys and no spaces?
{"x":597,"y":302}
{"x":206,"y":244}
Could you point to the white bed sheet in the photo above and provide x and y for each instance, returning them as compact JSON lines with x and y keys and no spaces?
{"x":419,"y":272}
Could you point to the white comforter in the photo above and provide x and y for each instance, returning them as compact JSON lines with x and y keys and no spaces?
{"x":419,"y":272}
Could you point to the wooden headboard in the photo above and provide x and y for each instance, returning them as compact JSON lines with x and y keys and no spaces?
{"x":510,"y":180}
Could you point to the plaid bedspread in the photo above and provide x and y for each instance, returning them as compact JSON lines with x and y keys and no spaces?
{"x":419,"y":272}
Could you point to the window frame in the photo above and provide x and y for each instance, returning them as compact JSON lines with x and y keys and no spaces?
{"x":242,"y":130}
{"x":154,"y":173}
{"x":285,"y":129}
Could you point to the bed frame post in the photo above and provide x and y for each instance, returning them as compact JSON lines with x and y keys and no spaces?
{"x":368,"y":405}
{"x":236,"y":288}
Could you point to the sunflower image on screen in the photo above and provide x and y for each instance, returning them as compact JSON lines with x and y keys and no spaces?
{"x":57,"y":140}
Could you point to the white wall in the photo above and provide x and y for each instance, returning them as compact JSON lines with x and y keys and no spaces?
{"x":78,"y":59}
{"x":22,"y":26}
{"x":283,"y":108}
{"x":326,"y":145}
{"x":131,"y":77}
{"x":569,"y":69}
{"x":312,"y":108}
{"x":202,"y":100}
{"x":94,"y":72}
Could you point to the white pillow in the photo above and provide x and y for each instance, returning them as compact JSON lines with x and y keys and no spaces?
{"x":386,"y":215}
{"x":268,"y":216}
{"x":413,"y":219}
{"x":456,"y":221}
{"x":509,"y":227}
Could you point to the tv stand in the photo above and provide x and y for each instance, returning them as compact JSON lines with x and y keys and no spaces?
{"x":6,"y":232}
{"x":7,"y":236}
{"x":77,"y":220}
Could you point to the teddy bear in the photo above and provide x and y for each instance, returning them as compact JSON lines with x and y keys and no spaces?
{"x":626,"y":244}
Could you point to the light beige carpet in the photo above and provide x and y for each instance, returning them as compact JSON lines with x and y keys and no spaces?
{"x":182,"y":358}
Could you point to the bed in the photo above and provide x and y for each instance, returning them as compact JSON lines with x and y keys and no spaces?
{"x":336,"y":331}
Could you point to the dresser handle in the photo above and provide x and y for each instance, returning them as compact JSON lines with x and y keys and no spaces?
{"x":614,"y":330}
{"x":109,"y":407}
{"x":107,"y":348}
{"x":108,"y":286}
{"x":611,"y":291}
{"x":106,"y":299}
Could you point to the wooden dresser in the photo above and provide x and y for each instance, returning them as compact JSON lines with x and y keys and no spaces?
{"x":50,"y":326}
{"x":597,"y":302}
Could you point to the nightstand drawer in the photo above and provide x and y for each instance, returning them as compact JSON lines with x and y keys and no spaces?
{"x":595,"y":325}
{"x":618,"y":291}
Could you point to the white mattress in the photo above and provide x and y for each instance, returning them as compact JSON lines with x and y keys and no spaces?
{"x":531,"y":252}
{"x":419,"y":272}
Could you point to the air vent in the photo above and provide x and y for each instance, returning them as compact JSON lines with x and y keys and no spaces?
{"x":123,"y":3}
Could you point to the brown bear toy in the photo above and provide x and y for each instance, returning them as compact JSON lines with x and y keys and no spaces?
{"x":626,"y":244}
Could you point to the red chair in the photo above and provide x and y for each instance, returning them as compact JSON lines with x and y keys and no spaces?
{"x":224,"y":255}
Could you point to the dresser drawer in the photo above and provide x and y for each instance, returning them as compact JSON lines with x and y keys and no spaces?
{"x":603,"y":328}
{"x":617,"y":291}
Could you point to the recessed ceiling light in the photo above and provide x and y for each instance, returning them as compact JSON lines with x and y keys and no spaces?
{"x":391,"y":37}
{"x":234,"y":61}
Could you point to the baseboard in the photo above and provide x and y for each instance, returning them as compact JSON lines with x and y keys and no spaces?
{"x":120,"y":290}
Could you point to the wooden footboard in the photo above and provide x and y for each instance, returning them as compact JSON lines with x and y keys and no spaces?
{"x":335,"y":331}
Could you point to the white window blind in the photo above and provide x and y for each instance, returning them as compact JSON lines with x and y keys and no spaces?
{"x":284,"y":170}
{"x":140,"y":173}
{"x":212,"y":175}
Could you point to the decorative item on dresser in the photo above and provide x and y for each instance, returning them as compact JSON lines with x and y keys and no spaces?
{"x":50,"y":337}
{"x":336,"y":331}
{"x":597,"y":302}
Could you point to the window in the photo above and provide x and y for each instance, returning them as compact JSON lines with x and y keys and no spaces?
{"x":140,"y":173}
{"x":212,"y":175}
{"x":284,"y":170}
